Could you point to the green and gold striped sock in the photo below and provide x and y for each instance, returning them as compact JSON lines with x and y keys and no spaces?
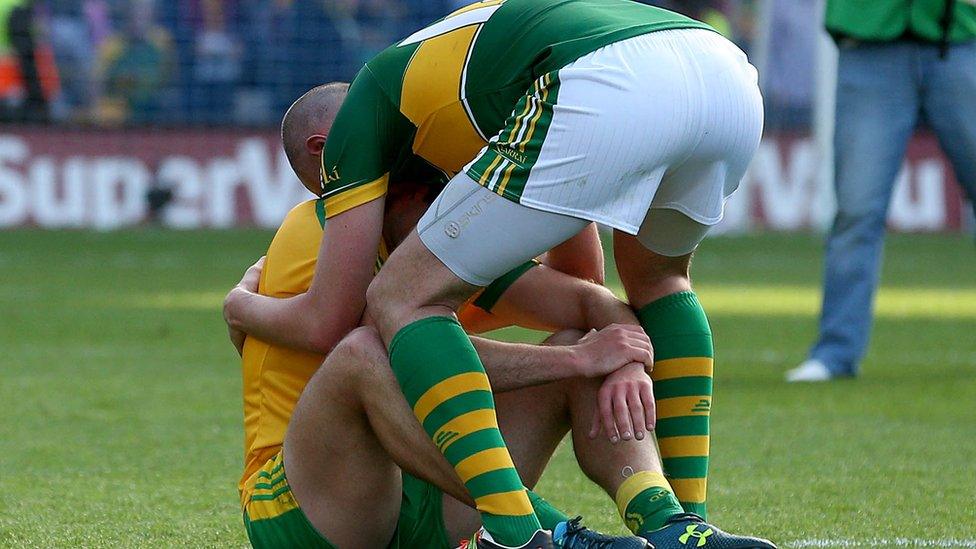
{"x":445,"y":383}
{"x":682,"y":378}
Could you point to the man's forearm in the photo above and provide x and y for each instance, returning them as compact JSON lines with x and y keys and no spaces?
{"x":289,"y":322}
{"x":513,"y":366}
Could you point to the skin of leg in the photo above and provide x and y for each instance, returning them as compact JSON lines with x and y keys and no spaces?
{"x":349,"y":432}
{"x":603,"y":462}
{"x":647,"y":276}
{"x":356,"y":389}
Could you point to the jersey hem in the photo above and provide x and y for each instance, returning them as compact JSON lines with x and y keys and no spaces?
{"x":356,"y":196}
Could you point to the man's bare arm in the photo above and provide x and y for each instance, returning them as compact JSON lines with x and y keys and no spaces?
{"x":547,"y":299}
{"x":513,"y":366}
{"x":317,"y":319}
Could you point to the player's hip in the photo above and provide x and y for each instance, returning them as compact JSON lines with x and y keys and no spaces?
{"x":274,"y":519}
{"x":672,"y":92}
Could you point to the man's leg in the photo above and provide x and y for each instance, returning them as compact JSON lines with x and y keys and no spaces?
{"x":336,"y":456}
{"x":659,"y":288}
{"x":413,"y":300}
{"x":950,"y":86}
{"x":355,"y":394}
{"x":534,"y":421}
{"x":877,"y":106}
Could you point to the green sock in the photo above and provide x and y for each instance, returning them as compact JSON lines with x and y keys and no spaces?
{"x":548,"y":515}
{"x":645,"y":502}
{"x":445,"y":383}
{"x":682,"y":378}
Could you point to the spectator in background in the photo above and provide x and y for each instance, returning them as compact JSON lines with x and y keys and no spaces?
{"x":291,"y":46}
{"x":217,"y":61}
{"x":77,"y":29}
{"x":22,"y":95}
{"x":134,"y":66}
{"x":788,"y":81}
{"x":380,"y":23}
{"x":897,"y":60}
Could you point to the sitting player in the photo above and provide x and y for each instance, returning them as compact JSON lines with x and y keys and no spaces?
{"x":275,"y":377}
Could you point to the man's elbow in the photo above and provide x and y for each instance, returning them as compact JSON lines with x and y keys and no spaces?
{"x":324,"y":333}
{"x":322,"y":341}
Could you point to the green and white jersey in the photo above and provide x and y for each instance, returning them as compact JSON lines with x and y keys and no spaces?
{"x":423,"y":108}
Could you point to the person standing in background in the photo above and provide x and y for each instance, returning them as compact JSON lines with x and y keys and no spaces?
{"x":22,"y":97}
{"x":899,"y":60}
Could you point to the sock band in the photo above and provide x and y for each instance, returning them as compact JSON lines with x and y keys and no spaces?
{"x":637,"y":483}
{"x":646,"y":501}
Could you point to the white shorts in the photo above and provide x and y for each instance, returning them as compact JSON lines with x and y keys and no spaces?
{"x":480,"y":236}
{"x":664,"y":122}
{"x":669,"y":119}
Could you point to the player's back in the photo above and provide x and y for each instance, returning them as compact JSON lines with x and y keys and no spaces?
{"x":457,"y":80}
{"x":274,"y":376}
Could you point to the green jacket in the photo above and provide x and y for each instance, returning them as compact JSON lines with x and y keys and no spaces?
{"x":7,"y":6}
{"x":886,"y":20}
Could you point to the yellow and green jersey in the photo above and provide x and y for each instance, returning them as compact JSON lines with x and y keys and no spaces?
{"x":425,"y":106}
{"x":275,"y":376}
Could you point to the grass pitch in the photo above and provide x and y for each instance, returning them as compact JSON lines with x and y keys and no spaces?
{"x":121,"y":412}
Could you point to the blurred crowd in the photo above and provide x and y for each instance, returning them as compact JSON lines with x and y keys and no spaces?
{"x":242,"y":62}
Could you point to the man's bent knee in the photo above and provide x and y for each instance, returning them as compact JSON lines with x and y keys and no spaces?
{"x":350,"y":360}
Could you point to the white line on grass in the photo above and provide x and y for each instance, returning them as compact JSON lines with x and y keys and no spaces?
{"x":882,"y":542}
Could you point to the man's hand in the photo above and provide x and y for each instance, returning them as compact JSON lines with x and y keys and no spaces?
{"x":605,"y":351}
{"x":625,"y":404}
{"x":249,"y":284}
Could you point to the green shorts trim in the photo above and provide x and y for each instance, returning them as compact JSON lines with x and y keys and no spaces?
{"x":503,"y":167}
{"x":284,"y":525}
{"x":290,"y":529}
{"x":421,"y":524}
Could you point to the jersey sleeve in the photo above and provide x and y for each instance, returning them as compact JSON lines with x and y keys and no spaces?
{"x":361,"y":147}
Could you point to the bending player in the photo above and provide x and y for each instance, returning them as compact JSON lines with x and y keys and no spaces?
{"x":275,"y":376}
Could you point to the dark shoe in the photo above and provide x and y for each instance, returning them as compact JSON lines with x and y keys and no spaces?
{"x":690,"y":531}
{"x":572,"y":535}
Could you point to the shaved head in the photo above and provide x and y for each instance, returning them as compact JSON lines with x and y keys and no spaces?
{"x":305,"y":127}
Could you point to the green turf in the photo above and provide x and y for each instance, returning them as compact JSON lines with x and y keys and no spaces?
{"x":121,"y":413}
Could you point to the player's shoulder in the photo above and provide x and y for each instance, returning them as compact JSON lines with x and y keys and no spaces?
{"x":299,"y":235}
{"x":310,"y":213}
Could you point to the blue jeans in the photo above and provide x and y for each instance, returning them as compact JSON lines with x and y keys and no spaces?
{"x":882,"y":91}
